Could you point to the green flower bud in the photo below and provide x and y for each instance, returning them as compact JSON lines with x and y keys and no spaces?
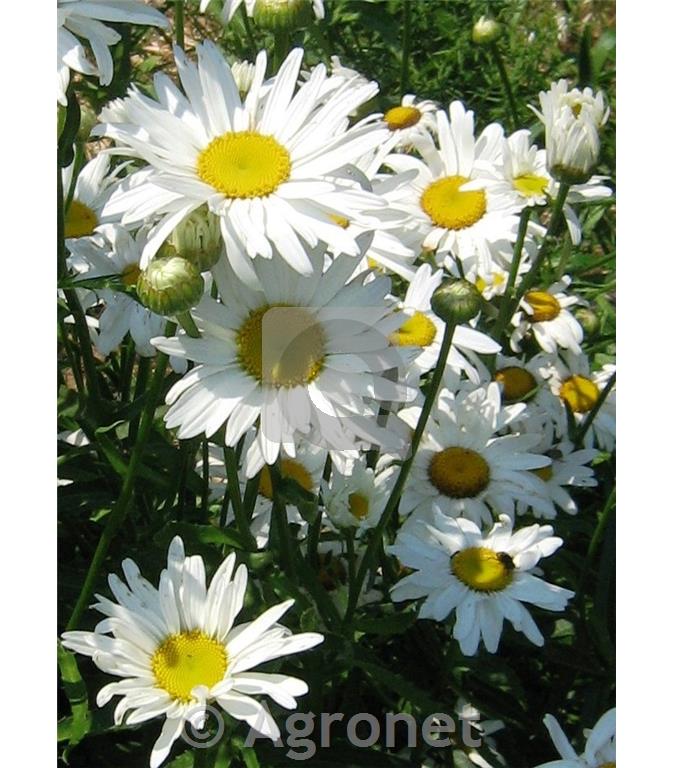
{"x":198,"y":239}
{"x":283,"y":15}
{"x":486,"y":31}
{"x":456,"y":301}
{"x":170,"y":284}
{"x":589,"y":321}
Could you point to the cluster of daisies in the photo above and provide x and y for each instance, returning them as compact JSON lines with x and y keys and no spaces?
{"x":282,"y":244}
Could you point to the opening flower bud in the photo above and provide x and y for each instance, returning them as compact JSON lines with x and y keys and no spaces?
{"x":456,"y":301}
{"x":198,"y":239}
{"x":170,"y":284}
{"x":486,"y":31}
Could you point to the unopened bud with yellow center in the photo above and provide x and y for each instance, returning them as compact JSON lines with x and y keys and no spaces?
{"x":170,"y":284}
{"x":456,"y":301}
{"x":486,"y":31}
{"x":198,"y":239}
{"x":589,"y":321}
{"x":279,"y":15}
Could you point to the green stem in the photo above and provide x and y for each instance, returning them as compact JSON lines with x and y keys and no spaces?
{"x":205,"y":474}
{"x":507,"y":86}
{"x":588,"y":421}
{"x":556,"y":219}
{"x":251,"y":38}
{"x":120,"y":510}
{"x":510,"y":290}
{"x":279,"y":518}
{"x":596,"y":539}
{"x":72,"y":357}
{"x":281,"y":46}
{"x":406,"y":47}
{"x":234,"y":490}
{"x":179,"y":24}
{"x":144,"y":368}
{"x":126,"y":372}
{"x":377,"y":533}
{"x":187,"y":322}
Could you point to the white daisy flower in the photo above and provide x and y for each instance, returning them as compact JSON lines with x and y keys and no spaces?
{"x":466,"y":208}
{"x":307,"y":357}
{"x":574,"y":385}
{"x":177,"y":649}
{"x":306,"y":468}
{"x":463,"y":467}
{"x":83,"y":19}
{"x":600,"y":749}
{"x":484,"y":578}
{"x":546,"y":314}
{"x":412,"y":120}
{"x":114,"y":251}
{"x":572,"y":120}
{"x":92,"y":189}
{"x":525,"y":167}
{"x":230,"y":7}
{"x":264,"y":165}
{"x":357,"y":500}
{"x":425,"y":330}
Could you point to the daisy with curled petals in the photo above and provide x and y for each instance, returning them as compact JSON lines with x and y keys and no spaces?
{"x":525,"y":167}
{"x":305,"y":357}
{"x":485,"y":578}
{"x":600,"y":750}
{"x":114,"y":251}
{"x":465,"y":207}
{"x":177,"y":649}
{"x":263,"y":165}
{"x":423,"y":329}
{"x":574,"y":386}
{"x":546,"y":314}
{"x":463,"y":467}
{"x":83,"y":19}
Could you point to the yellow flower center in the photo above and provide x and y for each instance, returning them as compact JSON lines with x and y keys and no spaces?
{"x":417,"y":331}
{"x":450,"y":208}
{"x":288,"y":468}
{"x":482,"y":569}
{"x":186,"y":660}
{"x":580,"y":393}
{"x":358,"y":505}
{"x":545,"y":306}
{"x":281,"y":346}
{"x":80,"y":220}
{"x":398,"y":118}
{"x":608,"y":765}
{"x":516,"y":383}
{"x":481,"y":284}
{"x":459,"y":473}
{"x":340,"y":221}
{"x":530,"y":185}
{"x":244,"y":164}
{"x":544,"y":473}
{"x":130,"y":275}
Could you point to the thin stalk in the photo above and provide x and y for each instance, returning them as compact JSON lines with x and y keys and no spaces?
{"x":596,"y":539}
{"x":144,"y":368}
{"x":121,"y":508}
{"x":187,"y":322}
{"x":126,"y":373}
{"x":250,"y":495}
{"x":72,"y":357}
{"x":510,"y":288}
{"x":234,"y":491}
{"x":179,"y":23}
{"x":279,"y":519}
{"x":205,"y":477}
{"x":507,"y":86}
{"x":406,"y":47}
{"x":281,"y":46}
{"x":556,"y":219}
{"x":377,"y":533}
{"x":589,"y":420}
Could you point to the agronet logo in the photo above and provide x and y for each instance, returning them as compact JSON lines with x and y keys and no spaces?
{"x":305,"y":732}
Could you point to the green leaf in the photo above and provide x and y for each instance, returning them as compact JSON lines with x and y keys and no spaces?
{"x":394,"y":624}
{"x":192,"y":533}
{"x":75,"y":728}
{"x":603,"y":51}
{"x":69,"y":133}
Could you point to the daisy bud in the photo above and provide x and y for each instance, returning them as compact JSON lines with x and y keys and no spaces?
{"x":589,"y":321}
{"x":279,"y":15}
{"x":572,"y":120}
{"x":198,"y":239}
{"x":486,"y":31}
{"x":456,"y":301}
{"x":170,"y":284}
